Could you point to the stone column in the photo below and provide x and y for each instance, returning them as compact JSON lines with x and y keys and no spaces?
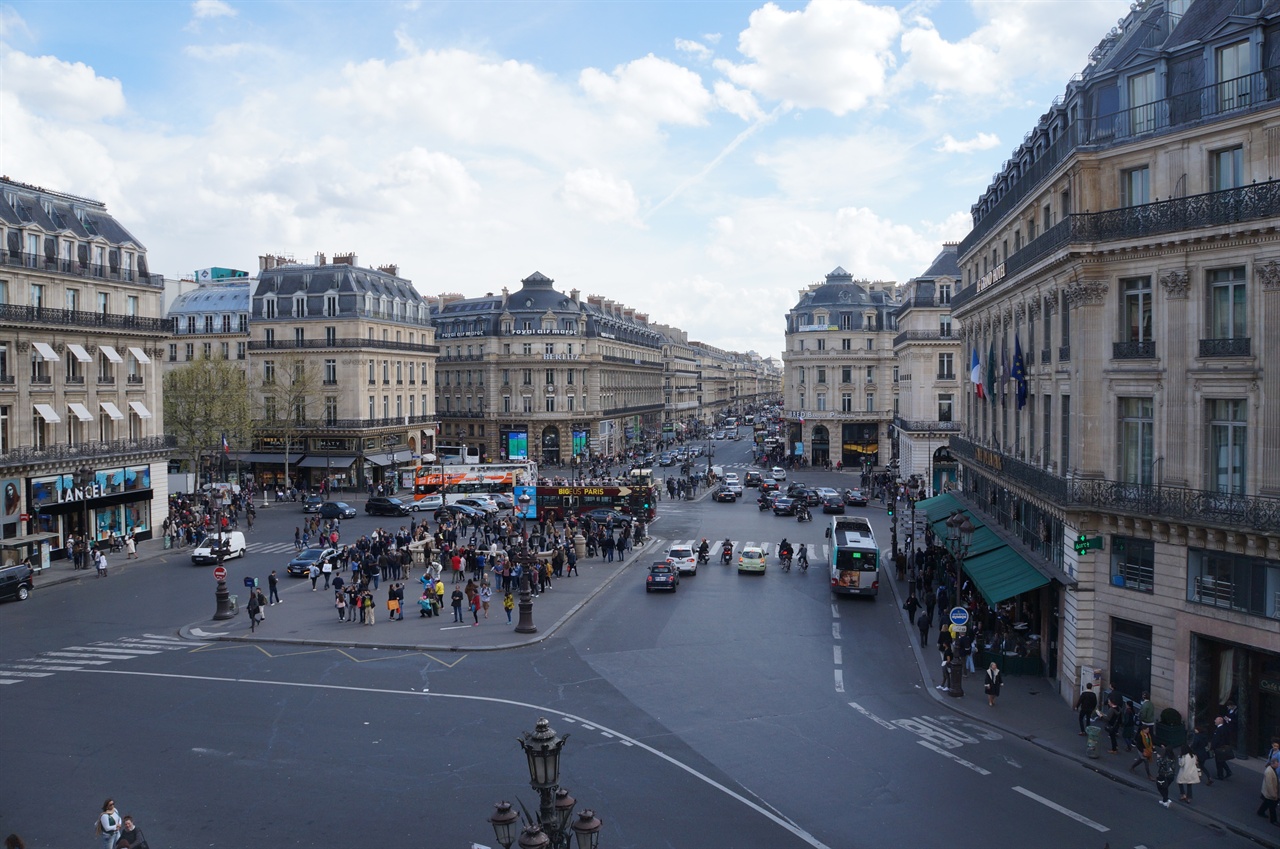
{"x":1268,"y":278}
{"x":1179,"y":349}
{"x":1090,"y":326}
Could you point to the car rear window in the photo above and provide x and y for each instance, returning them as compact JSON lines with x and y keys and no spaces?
{"x":681,"y":552}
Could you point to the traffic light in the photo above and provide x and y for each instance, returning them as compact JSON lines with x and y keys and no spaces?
{"x":890,"y":509}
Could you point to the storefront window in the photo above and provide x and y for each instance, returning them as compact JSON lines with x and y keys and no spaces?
{"x":1133,"y":563}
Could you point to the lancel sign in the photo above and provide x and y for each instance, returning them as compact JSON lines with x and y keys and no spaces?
{"x":80,"y":493}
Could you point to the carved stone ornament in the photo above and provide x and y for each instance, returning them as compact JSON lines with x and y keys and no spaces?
{"x":1033,"y":309}
{"x":1051,"y":302}
{"x":1019,"y":312}
{"x":1086,"y":293}
{"x":1006,"y":315}
{"x":23,"y":346}
{"x":1269,"y":274}
{"x":1176,"y":283}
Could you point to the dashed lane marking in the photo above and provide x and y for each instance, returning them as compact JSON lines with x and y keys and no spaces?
{"x":1067,"y":812}
{"x":839,"y":681}
{"x":838,"y":655}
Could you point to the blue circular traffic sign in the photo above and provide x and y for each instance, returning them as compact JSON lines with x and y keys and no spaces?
{"x":959,"y":616}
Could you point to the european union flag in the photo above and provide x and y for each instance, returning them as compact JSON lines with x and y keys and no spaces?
{"x":1019,"y":372}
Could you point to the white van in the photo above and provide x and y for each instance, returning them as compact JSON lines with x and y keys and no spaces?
{"x":233,"y":545}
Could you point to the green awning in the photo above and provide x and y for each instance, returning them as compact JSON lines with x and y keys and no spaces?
{"x":1002,"y":574}
{"x":939,"y":507}
{"x":984,"y":539}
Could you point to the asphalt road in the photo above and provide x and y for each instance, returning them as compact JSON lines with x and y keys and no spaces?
{"x":741,"y":711}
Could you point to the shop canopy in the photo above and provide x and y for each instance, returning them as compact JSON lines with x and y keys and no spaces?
{"x":321,"y":461}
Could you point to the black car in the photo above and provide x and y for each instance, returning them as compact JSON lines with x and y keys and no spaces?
{"x":602,"y":515}
{"x":806,"y":495}
{"x":662,"y":576}
{"x":382,"y":506}
{"x":724,"y":494}
{"x":337,"y":510}
{"x":457,"y":511}
{"x":752,"y":479}
{"x":312,"y":504}
{"x":832,"y":504}
{"x":16,"y":581}
{"x":784,"y":506}
{"x":300,"y":566}
{"x":855,"y":498}
{"x":767,"y":485}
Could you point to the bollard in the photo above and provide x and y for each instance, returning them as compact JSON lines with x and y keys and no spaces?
{"x":1092,"y":741}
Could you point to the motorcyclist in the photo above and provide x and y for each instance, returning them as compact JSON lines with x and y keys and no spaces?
{"x":726,"y":550}
{"x":784,"y":551}
{"x":703,"y":551}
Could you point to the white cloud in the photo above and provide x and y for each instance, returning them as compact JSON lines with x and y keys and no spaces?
{"x":649,"y":91}
{"x":695,"y":49}
{"x":12,"y":25}
{"x":871,"y":168}
{"x":982,"y":141}
{"x":70,"y":91}
{"x":833,"y":55}
{"x":712,"y":38}
{"x":737,"y":101}
{"x":225,"y":52}
{"x":204,"y":9}
{"x":600,"y":195}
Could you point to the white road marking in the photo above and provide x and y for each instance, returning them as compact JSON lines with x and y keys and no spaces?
{"x":835,"y":630}
{"x":110,"y":652}
{"x":80,"y":662}
{"x":18,"y":674}
{"x":839,"y":681}
{"x":9,"y":681}
{"x":838,"y":655}
{"x":883,"y":723}
{"x":606,"y":734}
{"x":835,"y":611}
{"x":79,"y":654}
{"x":1080,"y":818}
{"x":773,"y":817}
{"x":924,"y":743}
{"x":1011,"y":762}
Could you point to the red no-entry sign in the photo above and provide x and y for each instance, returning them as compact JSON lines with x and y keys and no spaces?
{"x":220,"y":574}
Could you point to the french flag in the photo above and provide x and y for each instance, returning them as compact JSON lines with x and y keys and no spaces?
{"x":226,"y":446}
{"x":975,"y":375}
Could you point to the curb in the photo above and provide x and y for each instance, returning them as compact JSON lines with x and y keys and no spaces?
{"x":955,"y":706}
{"x":530,"y":639}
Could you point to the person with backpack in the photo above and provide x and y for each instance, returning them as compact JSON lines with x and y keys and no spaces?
{"x":1166,"y":771}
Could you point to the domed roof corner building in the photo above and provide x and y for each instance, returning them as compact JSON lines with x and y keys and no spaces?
{"x":1124,"y":263}
{"x":839,"y":378}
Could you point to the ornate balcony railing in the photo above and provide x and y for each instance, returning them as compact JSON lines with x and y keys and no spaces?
{"x":79,"y":319}
{"x":120,"y":449}
{"x":296,"y":344}
{"x":913,"y":425}
{"x":1032,"y":477}
{"x":840,"y":415}
{"x":610,"y":358}
{"x":1133,"y":350}
{"x":1203,"y":507}
{"x":460,"y":358}
{"x":1224,"y":347}
{"x":924,"y":336}
{"x":75,"y":268}
{"x":277,"y":425}
{"x":1064,"y":353}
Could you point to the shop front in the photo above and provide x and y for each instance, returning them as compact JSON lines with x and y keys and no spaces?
{"x":1230,"y":678}
{"x":102,"y":503}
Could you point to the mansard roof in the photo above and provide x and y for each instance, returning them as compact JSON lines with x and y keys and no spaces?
{"x":220,"y":297}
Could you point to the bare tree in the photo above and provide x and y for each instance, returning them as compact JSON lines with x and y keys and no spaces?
{"x":205,"y":400}
{"x":285,"y":393}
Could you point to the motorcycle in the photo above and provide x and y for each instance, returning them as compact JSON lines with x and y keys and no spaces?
{"x":726,"y":554}
{"x":784,"y":557}
{"x":703,"y":558}
{"x":763,"y":503}
{"x":803,"y":515}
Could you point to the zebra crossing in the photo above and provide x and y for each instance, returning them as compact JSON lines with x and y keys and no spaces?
{"x":815,"y":551}
{"x":270,"y":548}
{"x":77,"y":658}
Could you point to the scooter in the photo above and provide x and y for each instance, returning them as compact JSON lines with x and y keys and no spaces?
{"x":726,"y":554}
{"x":703,"y":558}
{"x":803,"y":515}
{"x":785,"y":559}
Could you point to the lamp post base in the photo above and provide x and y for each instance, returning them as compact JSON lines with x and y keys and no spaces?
{"x":223,"y":597}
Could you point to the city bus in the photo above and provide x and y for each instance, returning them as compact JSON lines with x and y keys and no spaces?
{"x":634,"y":498}
{"x":855,"y":559}
{"x":465,"y":480}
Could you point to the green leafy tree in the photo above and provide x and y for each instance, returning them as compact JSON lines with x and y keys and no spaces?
{"x":204,"y":400}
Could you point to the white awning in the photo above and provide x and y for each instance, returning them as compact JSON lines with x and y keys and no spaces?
{"x":140,"y":408}
{"x":48,"y":414}
{"x":81,"y":354}
{"x":46,"y":351}
{"x":111,"y":353}
{"x":81,"y":411}
{"x":140,"y":355}
{"x":111,"y":410}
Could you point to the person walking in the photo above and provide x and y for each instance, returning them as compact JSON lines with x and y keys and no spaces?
{"x":393,"y":603}
{"x":130,"y":547}
{"x":253,"y":608}
{"x":273,"y":588}
{"x":456,"y":600}
{"x":486,"y":595}
{"x":369,"y":604}
{"x":1223,"y":751}
{"x":911,"y":605}
{"x":314,"y":574}
{"x":1166,"y":771}
{"x":994,"y":680}
{"x":1113,"y":721}
{"x":1188,"y":774}
{"x":475,"y":609}
{"x":109,"y":824}
{"x":326,"y":570}
{"x":1270,"y":792}
{"x":100,"y":563}
{"x":340,"y":602}
{"x":508,"y":604}
{"x":1200,"y":748}
{"x":1146,"y":747}
{"x":1086,"y":704}
{"x":922,"y":622}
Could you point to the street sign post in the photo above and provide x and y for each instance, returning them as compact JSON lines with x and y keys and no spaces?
{"x":959,"y":616}
{"x":220,"y":574}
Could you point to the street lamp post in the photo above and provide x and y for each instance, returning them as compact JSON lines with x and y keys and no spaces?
{"x":959,"y":537}
{"x":555,"y":825}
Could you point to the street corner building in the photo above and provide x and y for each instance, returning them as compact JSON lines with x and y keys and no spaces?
{"x":1119,"y":311}
{"x":82,"y":443}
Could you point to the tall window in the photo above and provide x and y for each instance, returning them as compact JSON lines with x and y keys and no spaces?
{"x":1227,"y":299}
{"x":871,"y":402}
{"x":1133,"y":561}
{"x":821,"y":401}
{"x":37,"y":295}
{"x":1233,"y":67}
{"x":822,"y":374}
{"x":944,"y":407}
{"x":1227,"y":432}
{"x":1142,"y":102}
{"x":1064,"y":454}
{"x":846,"y":374}
{"x":944,"y":326}
{"x":946,"y":367}
{"x":1136,"y":312}
{"x":331,"y":305}
{"x":1137,"y":439}
{"x":330,"y":409}
{"x":268,"y":371}
{"x":1135,"y":184}
{"x":1226,"y":168}
{"x":331,"y":372}
{"x":846,"y":402}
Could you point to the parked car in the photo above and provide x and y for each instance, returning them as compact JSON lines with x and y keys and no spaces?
{"x":16,"y":581}
{"x":752,"y":560}
{"x":233,"y":545}
{"x":300,"y":566}
{"x":662,"y":577}
{"x":427,"y":502}
{"x":832,"y":503}
{"x":724,"y":495}
{"x":337,"y":510}
{"x":503,"y":500}
{"x":380,"y":505}
{"x":682,"y":558}
{"x":752,"y":479}
{"x":784,"y":506}
{"x":855,"y":498}
{"x":312,"y":504}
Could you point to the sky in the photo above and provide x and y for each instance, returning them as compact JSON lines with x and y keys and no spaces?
{"x":703,"y":162}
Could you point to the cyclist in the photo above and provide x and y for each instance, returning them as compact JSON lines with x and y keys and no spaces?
{"x":784,"y":554}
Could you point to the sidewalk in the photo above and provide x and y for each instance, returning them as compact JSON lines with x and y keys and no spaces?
{"x":1029,"y":707}
{"x":309,"y":618}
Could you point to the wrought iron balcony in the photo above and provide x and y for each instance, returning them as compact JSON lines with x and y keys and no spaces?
{"x":1032,"y":477}
{"x":76,"y":268}
{"x":345,"y":342}
{"x":1133,"y":350}
{"x":1224,"y":347}
{"x":924,"y":336}
{"x":1064,"y":353}
{"x":80,"y":320}
{"x":1198,"y":506}
{"x":911,"y":425}
{"x":120,"y":449}
{"x":1046,"y":356}
{"x":41,"y":380}
{"x":460,"y":358}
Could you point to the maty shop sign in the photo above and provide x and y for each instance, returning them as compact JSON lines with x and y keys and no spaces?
{"x":80,"y":493}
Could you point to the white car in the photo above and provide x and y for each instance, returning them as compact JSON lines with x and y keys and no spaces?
{"x":427,"y":502}
{"x":732,"y":481}
{"x":682,"y":557}
{"x":778,"y":473}
{"x":233,"y":545}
